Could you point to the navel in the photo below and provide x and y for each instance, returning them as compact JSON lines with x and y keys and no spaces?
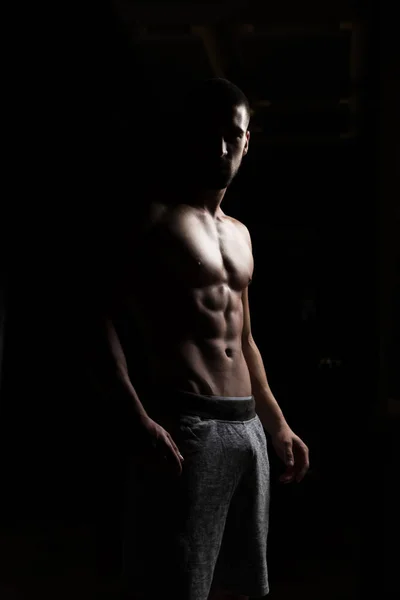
{"x":229,"y":352}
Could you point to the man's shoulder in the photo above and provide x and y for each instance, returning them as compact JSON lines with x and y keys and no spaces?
{"x":240,"y":226}
{"x":156,"y":210}
{"x":144,"y":216}
{"x":235,"y":221}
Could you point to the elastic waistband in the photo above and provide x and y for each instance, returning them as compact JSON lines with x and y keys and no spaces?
{"x":230,"y":408}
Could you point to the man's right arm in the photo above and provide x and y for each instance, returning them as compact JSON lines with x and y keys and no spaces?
{"x":120,"y":373}
{"x":109,"y":361}
{"x":152,"y":436}
{"x":113,"y":263}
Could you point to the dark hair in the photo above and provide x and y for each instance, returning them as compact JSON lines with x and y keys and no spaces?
{"x":214,"y":92}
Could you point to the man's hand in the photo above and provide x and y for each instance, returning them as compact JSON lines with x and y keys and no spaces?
{"x":294,"y":453}
{"x":155,"y":448}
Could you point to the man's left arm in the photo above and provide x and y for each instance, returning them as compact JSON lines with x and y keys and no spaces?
{"x":289,"y":447}
{"x":268,"y":409}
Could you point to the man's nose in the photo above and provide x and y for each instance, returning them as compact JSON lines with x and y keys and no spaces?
{"x":222,"y":147}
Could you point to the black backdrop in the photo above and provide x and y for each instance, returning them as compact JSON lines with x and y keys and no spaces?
{"x":61,"y":460}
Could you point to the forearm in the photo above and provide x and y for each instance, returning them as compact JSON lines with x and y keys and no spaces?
{"x":122,"y":387}
{"x":267,"y":407}
{"x":118,"y":379}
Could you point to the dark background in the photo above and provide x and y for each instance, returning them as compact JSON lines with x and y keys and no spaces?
{"x":319,"y":193}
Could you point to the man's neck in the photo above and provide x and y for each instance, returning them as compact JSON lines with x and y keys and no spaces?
{"x":209,"y":200}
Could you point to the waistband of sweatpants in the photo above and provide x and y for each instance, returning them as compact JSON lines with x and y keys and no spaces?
{"x":230,"y":408}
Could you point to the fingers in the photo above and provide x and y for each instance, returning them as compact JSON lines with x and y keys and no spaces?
{"x":301,"y":474}
{"x":304,"y":464}
{"x":288,"y":475}
{"x":175,"y":447}
{"x":289,"y":458}
{"x":174,"y":456}
{"x":296,"y":467}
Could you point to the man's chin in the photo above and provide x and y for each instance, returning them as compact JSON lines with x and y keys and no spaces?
{"x":215,"y":183}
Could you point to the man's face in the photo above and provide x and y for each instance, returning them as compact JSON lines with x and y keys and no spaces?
{"x":215,"y":145}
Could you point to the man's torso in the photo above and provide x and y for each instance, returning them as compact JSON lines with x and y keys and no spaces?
{"x":183,"y":279}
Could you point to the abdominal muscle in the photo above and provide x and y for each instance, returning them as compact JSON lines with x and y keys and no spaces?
{"x":193,"y":349}
{"x":201,"y":368}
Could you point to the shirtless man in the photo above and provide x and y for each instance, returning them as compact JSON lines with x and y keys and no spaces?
{"x":200,"y":485}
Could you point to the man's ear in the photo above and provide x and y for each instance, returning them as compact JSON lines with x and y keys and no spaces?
{"x":246,"y":145}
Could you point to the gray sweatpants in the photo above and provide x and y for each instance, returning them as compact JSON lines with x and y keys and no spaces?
{"x":209,"y":525}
